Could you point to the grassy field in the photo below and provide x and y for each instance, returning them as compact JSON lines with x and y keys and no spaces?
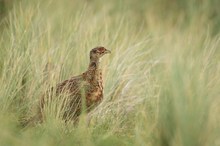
{"x":161,"y":82}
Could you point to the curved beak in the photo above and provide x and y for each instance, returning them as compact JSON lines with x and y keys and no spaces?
{"x":107,"y":51}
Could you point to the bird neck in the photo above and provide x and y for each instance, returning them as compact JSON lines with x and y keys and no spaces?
{"x":94,"y":64}
{"x":94,"y":72}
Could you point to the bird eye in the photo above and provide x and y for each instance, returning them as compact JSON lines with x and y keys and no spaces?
{"x":94,"y":51}
{"x":102,"y":49}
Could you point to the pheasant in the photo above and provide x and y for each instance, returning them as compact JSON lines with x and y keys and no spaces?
{"x":88,"y":85}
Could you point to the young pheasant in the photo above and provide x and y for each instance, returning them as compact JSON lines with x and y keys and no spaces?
{"x":88,"y":85}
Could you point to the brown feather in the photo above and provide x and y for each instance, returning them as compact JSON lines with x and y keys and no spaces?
{"x":88,"y":85}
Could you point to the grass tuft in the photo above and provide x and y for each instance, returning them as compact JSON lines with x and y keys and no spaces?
{"x":161,"y":82}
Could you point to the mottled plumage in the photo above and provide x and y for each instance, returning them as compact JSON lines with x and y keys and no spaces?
{"x":87,"y":85}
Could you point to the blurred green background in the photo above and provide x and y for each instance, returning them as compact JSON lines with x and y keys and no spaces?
{"x":161,"y":82}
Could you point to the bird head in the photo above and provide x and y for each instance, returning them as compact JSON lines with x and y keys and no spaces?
{"x":98,"y":52}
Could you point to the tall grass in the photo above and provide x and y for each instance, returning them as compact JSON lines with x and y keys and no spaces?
{"x":161,"y":82}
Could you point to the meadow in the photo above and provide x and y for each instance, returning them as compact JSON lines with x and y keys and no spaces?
{"x":161,"y":81}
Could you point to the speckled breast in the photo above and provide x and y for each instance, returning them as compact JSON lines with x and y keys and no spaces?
{"x":95,"y":95}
